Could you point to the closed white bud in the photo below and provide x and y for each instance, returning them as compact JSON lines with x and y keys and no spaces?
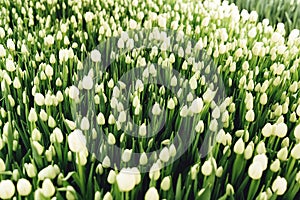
{"x":48,"y":188}
{"x":239,"y":146}
{"x":125,"y":180}
{"x":156,"y":110}
{"x":282,"y":154}
{"x":172,"y":150}
{"x":275,"y":166}
{"x":24,"y":187}
{"x":143,"y":159}
{"x":111,"y":139}
{"x":87,"y":82}
{"x":30,"y":170}
{"x":263,"y":99}
{"x":267,"y":130}
{"x":255,"y":170}
{"x":122,"y":117}
{"x":17,"y":83}
{"x":248,"y":152}
{"x":143,"y":130}
{"x":164,"y":155}
{"x":281,"y":129}
{"x":58,"y":135}
{"x":166,"y":183}
{"x":295,"y":153}
{"x":111,"y":119}
{"x":7,"y":189}
{"x":279,"y":185}
{"x":38,"y":147}
{"x":219,"y":171}
{"x":76,"y":141}
{"x":171,"y":104}
{"x":32,"y":117}
{"x":111,"y":178}
{"x":154,"y":172}
{"x":51,"y":122}
{"x":71,"y":124}
{"x":207,"y":168}
{"x":100,"y":119}
{"x":126,"y":156}
{"x":250,"y":115}
{"x":197,"y":105}
{"x":152,"y":194}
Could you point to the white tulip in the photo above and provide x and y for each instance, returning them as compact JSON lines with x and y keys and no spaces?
{"x":107,"y":196}
{"x":250,"y":115}
{"x":164,"y":155}
{"x":143,"y":130}
{"x":262,"y":159}
{"x":267,"y":130}
{"x":239,"y":146}
{"x":96,"y":56}
{"x":132,"y":24}
{"x":7,"y":189}
{"x":255,"y":170}
{"x":279,"y":185}
{"x":74,"y":92}
{"x":126,"y":156}
{"x":76,"y":141}
{"x":2,"y":165}
{"x":111,"y":178}
{"x":152,"y":194}
{"x":295,"y":153}
{"x":84,"y":124}
{"x":10,"y":65}
{"x":275,"y":166}
{"x":24,"y":187}
{"x":48,"y":172}
{"x":87,"y":82}
{"x":100,"y":119}
{"x":88,"y":16}
{"x":281,"y":130}
{"x":30,"y":170}
{"x":125,"y":181}
{"x":111,"y":139}
{"x":207,"y":168}
{"x":48,"y":188}
{"x":156,"y":110}
{"x":143,"y":159}
{"x":106,"y":162}
{"x":39,"y":99}
{"x":197,"y":105}
{"x":32,"y":117}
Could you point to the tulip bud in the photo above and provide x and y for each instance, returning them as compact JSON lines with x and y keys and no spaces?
{"x":24,"y":187}
{"x":279,"y":185}
{"x":239,"y":146}
{"x":282,"y":154}
{"x":255,"y":170}
{"x":197,"y":106}
{"x":30,"y":170}
{"x":107,"y":196}
{"x":166,"y":183}
{"x":207,"y":168}
{"x":164,"y":155}
{"x":143,"y":159}
{"x":152,"y":194}
{"x":7,"y":189}
{"x":275,"y":166}
{"x":126,"y":156}
{"x":111,"y":178}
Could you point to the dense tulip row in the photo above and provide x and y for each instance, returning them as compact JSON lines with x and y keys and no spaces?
{"x":242,"y":108}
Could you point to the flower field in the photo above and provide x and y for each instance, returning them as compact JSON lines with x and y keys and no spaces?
{"x":149,"y":100}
